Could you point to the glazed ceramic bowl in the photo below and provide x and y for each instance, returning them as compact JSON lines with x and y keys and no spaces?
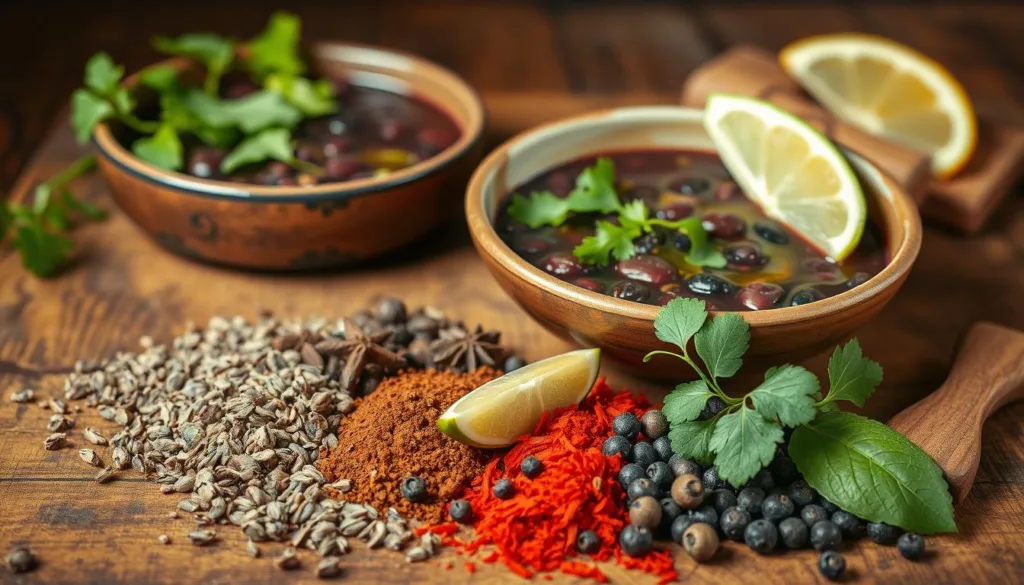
{"x":624,"y":330}
{"x":328,"y":225}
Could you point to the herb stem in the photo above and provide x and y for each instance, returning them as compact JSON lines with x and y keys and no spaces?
{"x":143,"y":126}
{"x":79,"y":167}
{"x":306,"y":167}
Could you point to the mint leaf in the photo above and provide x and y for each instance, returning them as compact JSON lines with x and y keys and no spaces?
{"x":213,"y":51}
{"x":310,"y":97}
{"x":595,"y":189}
{"x":160,"y":78}
{"x":743,"y":442}
{"x":608,"y":240}
{"x":541,"y":208}
{"x":162,"y":149}
{"x":686,"y":402}
{"x":276,"y":49}
{"x":252,"y":113}
{"x":721,"y":344}
{"x":679,"y":320}
{"x":43,"y":253}
{"x":273,"y":144}
{"x":873,"y":472}
{"x":690,"y":440}
{"x":852,"y":376}
{"x":102,"y":75}
{"x":88,"y":110}
{"x":787,"y":394}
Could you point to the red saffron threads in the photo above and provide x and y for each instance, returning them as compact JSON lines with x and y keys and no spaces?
{"x":470,"y":567}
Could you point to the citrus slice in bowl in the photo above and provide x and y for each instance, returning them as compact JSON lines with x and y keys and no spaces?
{"x":889,"y":90}
{"x":794,"y":173}
{"x":507,"y":408}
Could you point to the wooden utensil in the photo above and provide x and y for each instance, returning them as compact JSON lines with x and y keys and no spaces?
{"x":988,"y":373}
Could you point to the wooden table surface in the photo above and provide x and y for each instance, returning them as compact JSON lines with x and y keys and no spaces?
{"x":533,"y":56}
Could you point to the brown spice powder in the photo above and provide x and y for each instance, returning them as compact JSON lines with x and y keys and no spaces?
{"x":393,"y":434}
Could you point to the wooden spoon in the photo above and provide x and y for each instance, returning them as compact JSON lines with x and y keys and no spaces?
{"x":988,"y":373}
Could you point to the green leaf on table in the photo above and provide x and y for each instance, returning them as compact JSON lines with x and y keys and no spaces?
{"x":102,"y":75}
{"x":213,"y":51}
{"x":162,"y":149}
{"x":312,"y":98}
{"x":272,"y":144}
{"x":691,"y":440}
{"x":276,"y":49}
{"x":88,"y":110}
{"x":852,"y":376}
{"x":595,"y":189}
{"x":685,"y":403}
{"x":43,"y":253}
{"x":540,"y":208}
{"x":787,"y":394}
{"x":608,"y":240}
{"x":252,"y":113}
{"x":873,"y":472}
{"x":160,"y":78}
{"x":80,"y":206}
{"x":744,"y":442}
{"x":679,"y":320}
{"x":721,"y":344}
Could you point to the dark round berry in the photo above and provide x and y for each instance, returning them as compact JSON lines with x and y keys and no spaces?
{"x":750,"y":499}
{"x":793,"y":533}
{"x":705,"y":514}
{"x":831,"y":565}
{"x":763,"y":479}
{"x":811,"y":514}
{"x":617,"y":445}
{"x":670,"y":510}
{"x":858,"y":279}
{"x":910,"y":545}
{"x":722,"y":499}
{"x":679,"y":526}
{"x":783,"y":470}
{"x":713,"y":406}
{"x":629,"y":290}
{"x":733,"y":522}
{"x":587,"y":542}
{"x":882,"y":533}
{"x":636,"y":541}
{"x":761,"y":296}
{"x":661,"y":474}
{"x":772,"y":232}
{"x":852,"y":526}
{"x":688,"y":491}
{"x":652,"y":270}
{"x":744,"y":256}
{"x":663,"y":445}
{"x":682,"y":466}
{"x":709,"y":284}
{"x":642,"y":487}
{"x":648,"y":243}
{"x":712,"y":481}
{"x":761,"y":536}
{"x":777,"y":507}
{"x":414,"y":489}
{"x":503,"y":489}
{"x":645,"y":511}
{"x":644,"y":454}
{"x":391,"y":311}
{"x":513,"y":363}
{"x":629,"y":473}
{"x":654,"y":424}
{"x":801,"y":493}
{"x":626,"y":425}
{"x":531,"y":467}
{"x":700,"y":541}
{"x":691,"y":185}
{"x":725,"y":226}
{"x":460,"y":511}
{"x":825,"y":536}
{"x":806,"y":296}
{"x":682,"y":242}
{"x":829,"y":506}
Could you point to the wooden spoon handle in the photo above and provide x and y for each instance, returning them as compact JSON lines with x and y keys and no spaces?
{"x":988,"y":373}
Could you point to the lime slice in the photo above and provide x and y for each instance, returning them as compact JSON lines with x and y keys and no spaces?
{"x":503,"y":410}
{"x":795,"y":174}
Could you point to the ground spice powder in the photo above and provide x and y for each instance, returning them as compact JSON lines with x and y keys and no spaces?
{"x":393,"y":434}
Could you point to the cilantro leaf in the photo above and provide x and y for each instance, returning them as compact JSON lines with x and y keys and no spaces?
{"x":252,"y":113}
{"x":634,"y":216}
{"x":162,"y":149}
{"x":691,"y":440}
{"x":88,"y":110}
{"x":160,"y":78}
{"x":102,"y":75}
{"x":541,"y":208}
{"x":852,"y":376}
{"x":686,"y":402}
{"x":679,"y":320}
{"x":595,"y":189}
{"x":787,"y":394}
{"x":275,"y":143}
{"x":213,"y":51}
{"x":702,"y":251}
{"x":43,"y":253}
{"x":744,"y":442}
{"x":721,"y":343}
{"x":276,"y":49}
{"x":608,"y":240}
{"x":312,"y":98}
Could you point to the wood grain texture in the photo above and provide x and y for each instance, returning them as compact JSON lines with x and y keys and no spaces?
{"x":123,"y":285}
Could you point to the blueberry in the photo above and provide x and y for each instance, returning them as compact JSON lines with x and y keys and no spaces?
{"x":750,"y":499}
{"x":616,"y":444}
{"x":770,"y":231}
{"x":734,"y":522}
{"x":661,"y":474}
{"x":531,"y":467}
{"x":670,"y":510}
{"x":713,"y":406}
{"x":764,"y":480}
{"x":852,"y":526}
{"x":777,"y":507}
{"x":882,"y":533}
{"x":504,"y":489}
{"x":682,"y":466}
{"x":826,"y":536}
{"x":663,"y":445}
{"x":679,"y":526}
{"x":709,"y":284}
{"x":636,"y":541}
{"x":801,"y":493}
{"x":793,"y":533}
{"x":639,"y":488}
{"x":910,"y":545}
{"x":783,"y":470}
{"x":722,"y":499}
{"x":414,"y":489}
{"x":711,"y":480}
{"x":626,"y":425}
{"x":829,"y":506}
{"x":831,"y":565}
{"x":629,"y":473}
{"x":644,"y":454}
{"x":629,"y":290}
{"x":654,"y":424}
{"x":761,"y":536}
{"x":513,"y":363}
{"x":587,"y":542}
{"x":460,"y":511}
{"x":682,"y":242}
{"x":811,"y":514}
{"x":705,"y":514}
{"x":806,"y":296}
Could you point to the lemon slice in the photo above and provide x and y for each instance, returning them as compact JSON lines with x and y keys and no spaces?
{"x":889,"y":90}
{"x":795,"y":174}
{"x":503,"y":410}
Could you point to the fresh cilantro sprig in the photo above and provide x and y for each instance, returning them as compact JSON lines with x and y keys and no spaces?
{"x":595,"y":193}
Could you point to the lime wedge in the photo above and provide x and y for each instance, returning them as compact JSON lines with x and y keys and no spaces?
{"x":503,"y":410}
{"x":793,"y":172}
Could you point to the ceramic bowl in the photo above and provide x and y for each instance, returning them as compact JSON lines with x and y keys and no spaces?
{"x":624,"y":330}
{"x":328,"y":225}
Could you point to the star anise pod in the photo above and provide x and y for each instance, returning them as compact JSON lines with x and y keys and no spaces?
{"x":359,"y":348}
{"x":457,"y":348}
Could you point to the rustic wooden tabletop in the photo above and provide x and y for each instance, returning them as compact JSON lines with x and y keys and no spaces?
{"x":526,"y":54}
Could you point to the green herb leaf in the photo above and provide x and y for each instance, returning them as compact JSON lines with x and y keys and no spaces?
{"x":873,"y":472}
{"x":162,"y":149}
{"x":595,"y":189}
{"x":686,"y":402}
{"x":852,"y":376}
{"x":275,"y":143}
{"x":634,"y":216}
{"x":608,"y":240}
{"x":721,"y":344}
{"x":213,"y":51}
{"x":43,"y":253}
{"x":702,"y":251}
{"x":252,"y":113}
{"x":276,"y":49}
{"x":88,"y":110}
{"x":691,"y":440}
{"x":102,"y":75}
{"x":161,"y":78}
{"x":744,"y":442}
{"x":679,"y":320}
{"x":787,"y":394}
{"x":308,"y":96}
{"x":81,"y":206}
{"x":541,"y":208}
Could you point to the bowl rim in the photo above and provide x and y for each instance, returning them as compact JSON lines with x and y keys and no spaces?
{"x":110,"y":149}
{"x":488,"y":243}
